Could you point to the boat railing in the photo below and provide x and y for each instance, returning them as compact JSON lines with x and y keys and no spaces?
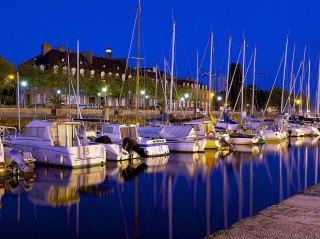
{"x":7,"y":132}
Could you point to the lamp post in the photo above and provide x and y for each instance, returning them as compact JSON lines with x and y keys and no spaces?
{"x":24,"y":84}
{"x":186,"y":96}
{"x":105,"y":115}
{"x":142,"y":92}
{"x":219,"y":98}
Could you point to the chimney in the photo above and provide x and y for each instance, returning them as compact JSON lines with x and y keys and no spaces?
{"x":46,"y":47}
{"x":61,"y":48}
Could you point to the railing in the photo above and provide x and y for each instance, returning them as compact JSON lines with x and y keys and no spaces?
{"x":7,"y":132}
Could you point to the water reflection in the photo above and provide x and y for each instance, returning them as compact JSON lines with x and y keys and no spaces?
{"x":159,"y":197}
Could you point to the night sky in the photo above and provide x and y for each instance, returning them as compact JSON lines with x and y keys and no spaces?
{"x":26,"y":24}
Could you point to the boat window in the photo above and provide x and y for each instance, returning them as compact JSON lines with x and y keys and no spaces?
{"x":36,"y":132}
{"x":107,"y":129}
{"x":133,"y":133}
{"x":196,"y":127}
{"x":124,"y":132}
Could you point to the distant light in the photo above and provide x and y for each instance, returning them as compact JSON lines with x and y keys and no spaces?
{"x":147,"y":97}
{"x":142,"y":92}
{"x":24,"y":83}
{"x":58,"y":91}
{"x":11,"y":76}
{"x":186,"y":95}
{"x":104,"y":89}
{"x":99,"y":94}
{"x":182,"y":98}
{"x":219,"y":98}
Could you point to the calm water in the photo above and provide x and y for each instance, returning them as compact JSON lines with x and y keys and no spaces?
{"x":180,"y":196}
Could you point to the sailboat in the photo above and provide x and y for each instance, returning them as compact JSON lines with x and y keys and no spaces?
{"x":127,"y":135}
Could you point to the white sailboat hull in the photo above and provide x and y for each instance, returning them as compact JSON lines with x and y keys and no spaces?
{"x":187,"y":146}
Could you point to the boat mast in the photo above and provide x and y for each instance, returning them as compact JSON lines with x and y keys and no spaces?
{"x":138,"y":66}
{"x":243,"y":69}
{"x":253,"y":79}
{"x":155,"y":98}
{"x":78,"y":62}
{"x":302,"y":78}
{"x":291,"y":74}
{"x":308,"y":88}
{"x":197,"y":87}
{"x":18,"y":102}
{"x":165,"y":86}
{"x":284,"y":75}
{"x":210,"y":71}
{"x":318,"y":91}
{"x":172,"y":63}
{"x":227,"y":81}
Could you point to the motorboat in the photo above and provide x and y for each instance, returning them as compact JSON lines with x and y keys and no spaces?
{"x":127,"y":136}
{"x":12,"y":161}
{"x":56,"y":142}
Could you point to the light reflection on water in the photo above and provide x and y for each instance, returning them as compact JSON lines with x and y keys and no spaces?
{"x":178,"y":196}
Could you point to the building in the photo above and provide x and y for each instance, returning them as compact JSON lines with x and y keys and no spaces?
{"x":59,"y":59}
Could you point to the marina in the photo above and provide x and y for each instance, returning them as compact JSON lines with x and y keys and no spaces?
{"x":180,"y":195}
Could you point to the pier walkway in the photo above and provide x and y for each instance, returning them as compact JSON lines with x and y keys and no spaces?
{"x":296,"y":217}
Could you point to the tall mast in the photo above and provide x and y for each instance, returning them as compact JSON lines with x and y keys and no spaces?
{"x":227,"y":82}
{"x":308,"y":88}
{"x":318,"y":91}
{"x":197,"y":87}
{"x":284,"y":75}
{"x":156,"y":92}
{"x":243,"y":74}
{"x":165,"y":86}
{"x":302,"y":78}
{"x":78,"y":63}
{"x":172,"y":63}
{"x":210,"y":71}
{"x":253,"y":79}
{"x":291,"y":74}
{"x":138,"y":66}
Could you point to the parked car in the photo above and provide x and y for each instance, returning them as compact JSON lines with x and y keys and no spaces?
{"x":94,"y":106}
{"x":81,"y":107}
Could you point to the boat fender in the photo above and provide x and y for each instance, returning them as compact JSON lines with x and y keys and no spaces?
{"x":104,"y":140}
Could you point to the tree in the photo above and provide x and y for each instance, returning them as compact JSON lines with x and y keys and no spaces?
{"x":56,"y":100}
{"x":7,"y":81}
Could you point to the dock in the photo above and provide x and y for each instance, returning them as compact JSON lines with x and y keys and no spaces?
{"x":295,"y":217}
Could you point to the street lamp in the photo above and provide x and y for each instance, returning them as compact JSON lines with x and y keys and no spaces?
{"x":219,"y":98}
{"x":105,"y":110}
{"x":58,"y":92}
{"x":142,"y":92}
{"x":24,"y":84}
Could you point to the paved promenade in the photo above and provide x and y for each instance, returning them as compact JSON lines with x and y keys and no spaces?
{"x":296,"y":217}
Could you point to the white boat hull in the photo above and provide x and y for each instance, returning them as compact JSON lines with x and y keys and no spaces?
{"x":244,"y":140}
{"x":187,"y":146}
{"x":77,"y":156}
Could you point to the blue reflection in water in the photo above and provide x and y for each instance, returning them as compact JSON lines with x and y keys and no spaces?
{"x":180,"y":196}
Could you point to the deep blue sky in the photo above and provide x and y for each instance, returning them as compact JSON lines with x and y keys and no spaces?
{"x":26,"y":24}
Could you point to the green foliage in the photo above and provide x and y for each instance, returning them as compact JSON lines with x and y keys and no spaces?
{"x":56,"y":99}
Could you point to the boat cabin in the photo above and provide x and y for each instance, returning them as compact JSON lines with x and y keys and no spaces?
{"x":120,"y":131}
{"x":58,"y":133}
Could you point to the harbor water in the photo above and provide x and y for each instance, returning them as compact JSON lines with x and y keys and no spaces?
{"x":177,"y":196}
